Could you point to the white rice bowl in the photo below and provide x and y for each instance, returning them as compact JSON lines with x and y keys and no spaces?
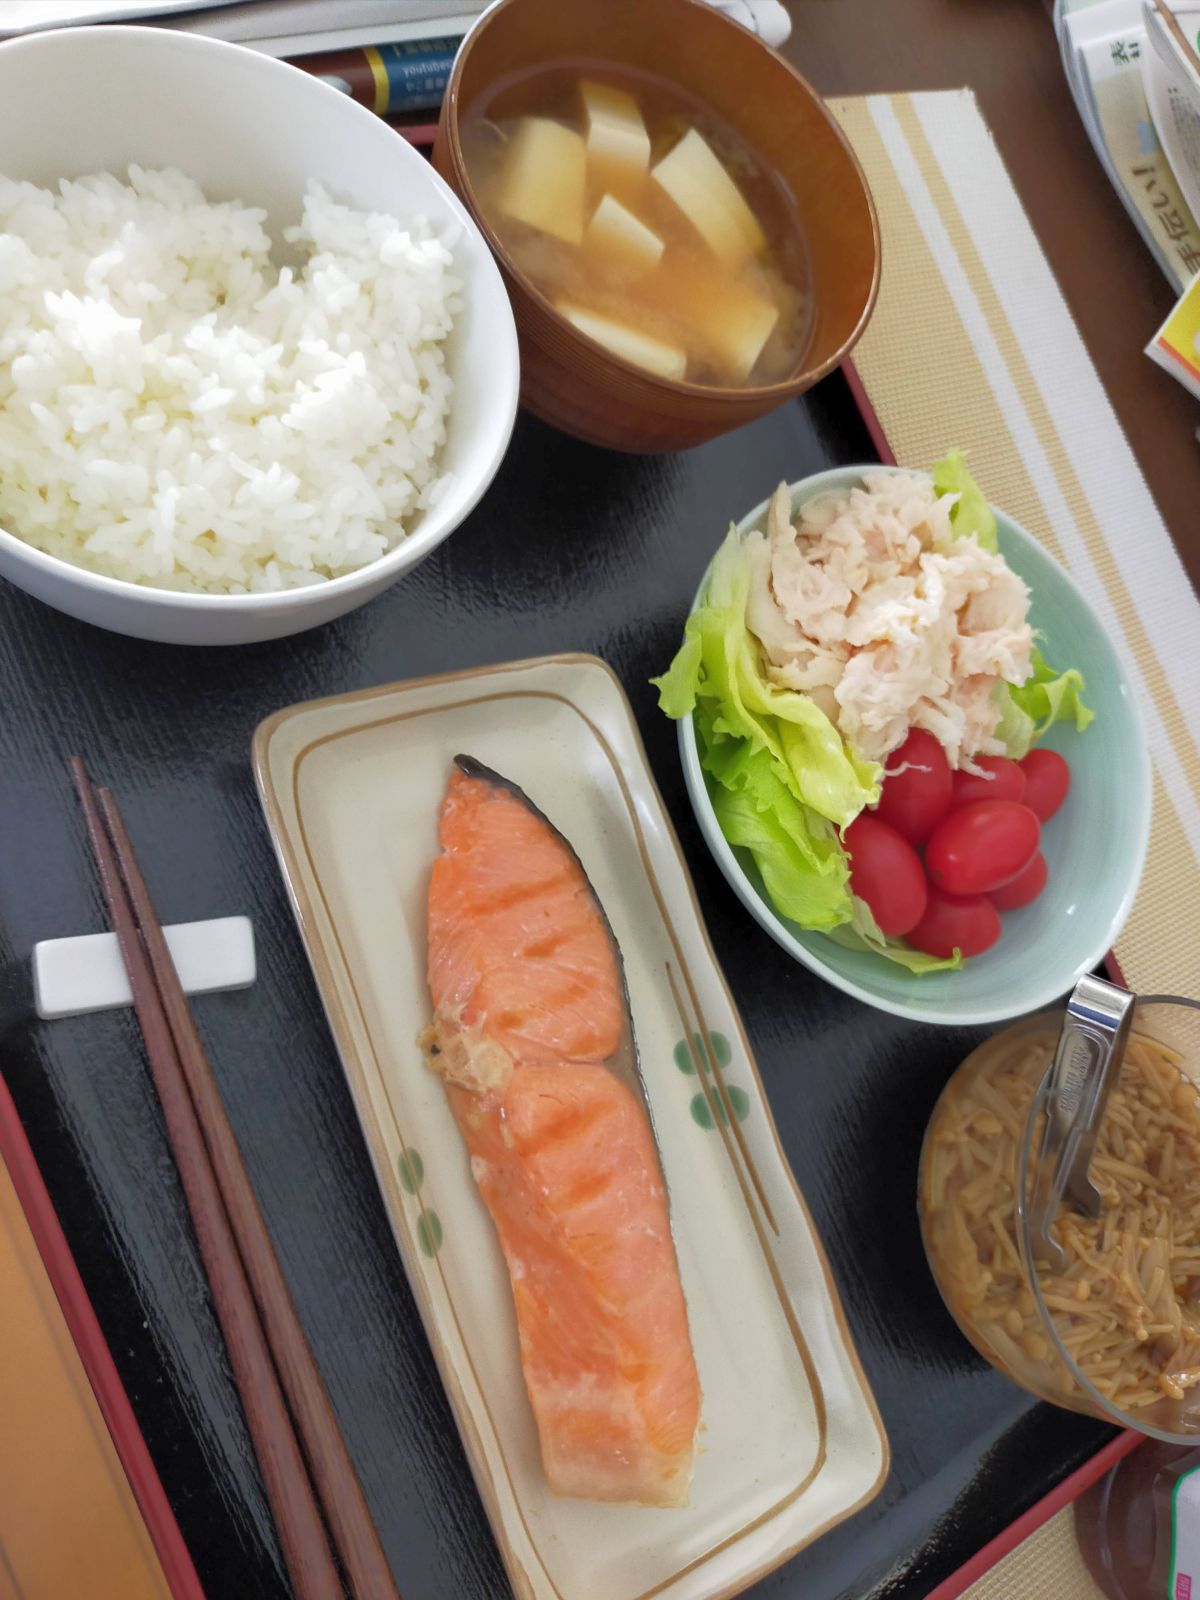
{"x":179,"y":412}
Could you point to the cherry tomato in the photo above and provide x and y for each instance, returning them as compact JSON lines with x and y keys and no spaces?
{"x":1026,"y":886}
{"x":1007,"y":781}
{"x":1047,"y":779}
{"x":969,"y":923}
{"x":981,"y":846}
{"x":886,"y":872}
{"x":915,"y":801}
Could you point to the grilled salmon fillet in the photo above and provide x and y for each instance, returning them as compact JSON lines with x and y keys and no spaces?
{"x":529,"y":1006}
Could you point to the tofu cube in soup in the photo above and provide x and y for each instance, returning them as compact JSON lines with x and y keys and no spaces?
{"x":542,"y":184}
{"x":642,"y":349}
{"x":699,"y":185}
{"x":618,"y":146}
{"x":617,"y":235}
{"x":729,"y":318}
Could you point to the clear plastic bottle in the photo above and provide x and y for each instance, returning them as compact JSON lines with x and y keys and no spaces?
{"x":1139,"y":1527}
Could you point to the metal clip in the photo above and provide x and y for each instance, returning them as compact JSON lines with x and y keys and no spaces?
{"x":1087,"y":1063}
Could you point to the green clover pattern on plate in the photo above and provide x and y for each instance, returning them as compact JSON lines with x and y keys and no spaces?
{"x":692,"y":1059}
{"x":411,"y":1170}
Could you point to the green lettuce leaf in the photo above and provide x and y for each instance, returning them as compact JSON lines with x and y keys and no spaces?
{"x":863,"y":933}
{"x":677,"y":686}
{"x":1045,"y":698}
{"x":1016,"y":727}
{"x":798,"y":854}
{"x":971,"y":514}
{"x":1048,"y":697}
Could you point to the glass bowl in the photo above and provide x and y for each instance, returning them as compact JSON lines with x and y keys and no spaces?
{"x":1116,"y":1333}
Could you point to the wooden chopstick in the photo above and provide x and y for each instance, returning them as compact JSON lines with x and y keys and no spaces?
{"x":329,"y":1461}
{"x":305,"y":1544}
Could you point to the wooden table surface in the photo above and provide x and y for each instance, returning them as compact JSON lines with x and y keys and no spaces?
{"x":1006,"y":51}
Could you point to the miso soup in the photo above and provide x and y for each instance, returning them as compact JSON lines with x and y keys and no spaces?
{"x":646,"y":221}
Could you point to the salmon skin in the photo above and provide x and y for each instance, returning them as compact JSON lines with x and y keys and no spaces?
{"x":532,"y":1036}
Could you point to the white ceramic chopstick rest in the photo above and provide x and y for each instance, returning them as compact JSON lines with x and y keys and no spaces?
{"x":74,"y":976}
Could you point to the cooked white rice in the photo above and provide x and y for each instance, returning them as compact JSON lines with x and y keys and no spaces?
{"x":177,"y":411}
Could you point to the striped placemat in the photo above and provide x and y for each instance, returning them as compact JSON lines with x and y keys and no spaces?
{"x":972,"y":344}
{"x":1046,"y":1566}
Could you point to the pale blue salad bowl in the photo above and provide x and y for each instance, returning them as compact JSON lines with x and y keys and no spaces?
{"x":1095,"y":845}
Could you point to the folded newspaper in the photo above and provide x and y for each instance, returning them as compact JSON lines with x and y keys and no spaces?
{"x":1112,"y":58}
{"x":1134,"y":69}
{"x":305,"y":27}
{"x":1171,"y":77}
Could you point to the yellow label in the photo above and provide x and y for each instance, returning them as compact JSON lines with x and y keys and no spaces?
{"x":379,"y":73}
{"x":1178,"y":340}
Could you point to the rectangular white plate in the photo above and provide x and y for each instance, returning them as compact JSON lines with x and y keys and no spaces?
{"x":791,"y":1440}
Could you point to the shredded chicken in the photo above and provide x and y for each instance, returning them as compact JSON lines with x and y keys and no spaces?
{"x":870,"y":605}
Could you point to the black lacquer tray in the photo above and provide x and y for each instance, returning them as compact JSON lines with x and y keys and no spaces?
{"x":572,"y":549}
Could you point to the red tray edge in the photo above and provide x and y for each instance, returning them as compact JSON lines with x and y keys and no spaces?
{"x":1048,"y":1506}
{"x":867,"y":411}
{"x":94,"y":1353}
